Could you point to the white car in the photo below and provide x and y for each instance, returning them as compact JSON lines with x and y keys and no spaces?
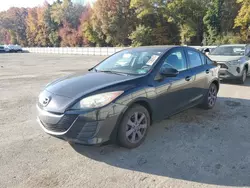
{"x":234,"y":60}
{"x":3,"y":49}
{"x":13,"y":48}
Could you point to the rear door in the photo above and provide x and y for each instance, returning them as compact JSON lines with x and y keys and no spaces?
{"x":197,"y":64}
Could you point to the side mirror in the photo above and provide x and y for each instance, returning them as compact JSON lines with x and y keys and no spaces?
{"x":206,"y":50}
{"x":169,"y":72}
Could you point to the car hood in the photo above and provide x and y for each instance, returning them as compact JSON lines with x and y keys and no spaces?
{"x":75,"y":86}
{"x":219,"y":58}
{"x":63,"y":92}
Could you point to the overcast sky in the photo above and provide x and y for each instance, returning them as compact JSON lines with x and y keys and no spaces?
{"x":6,"y":4}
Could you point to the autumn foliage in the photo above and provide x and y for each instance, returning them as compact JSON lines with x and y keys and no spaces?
{"x":127,"y":22}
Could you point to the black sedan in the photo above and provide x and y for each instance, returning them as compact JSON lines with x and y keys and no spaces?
{"x":118,"y":99}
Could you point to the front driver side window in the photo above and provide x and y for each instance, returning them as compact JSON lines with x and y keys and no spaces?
{"x":176,"y":60}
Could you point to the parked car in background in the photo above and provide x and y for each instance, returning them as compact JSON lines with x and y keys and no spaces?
{"x":119,"y":98}
{"x":3,"y":49}
{"x":13,"y":48}
{"x":206,"y":50}
{"x":234,"y":61}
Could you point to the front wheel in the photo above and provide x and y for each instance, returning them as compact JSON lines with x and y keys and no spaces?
{"x":134,"y":127}
{"x":211,"y":97}
{"x":243,"y":76}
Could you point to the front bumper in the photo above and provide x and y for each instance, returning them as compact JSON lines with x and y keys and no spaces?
{"x":230,"y":72}
{"x":89,"y":127}
{"x":226,"y":75}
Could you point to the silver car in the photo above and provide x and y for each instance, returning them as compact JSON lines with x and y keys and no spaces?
{"x":234,"y":61}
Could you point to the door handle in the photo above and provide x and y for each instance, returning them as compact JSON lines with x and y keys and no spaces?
{"x":188,"y":78}
{"x":207,"y":71}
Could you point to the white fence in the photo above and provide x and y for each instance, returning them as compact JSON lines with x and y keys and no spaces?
{"x":105,"y":51}
{"x":81,"y":50}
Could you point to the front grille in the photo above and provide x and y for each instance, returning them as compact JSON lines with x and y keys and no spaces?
{"x":63,"y":125}
{"x":223,"y":66}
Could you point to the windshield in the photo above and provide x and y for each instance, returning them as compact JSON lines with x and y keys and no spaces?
{"x":133,"y":61}
{"x":229,"y":51}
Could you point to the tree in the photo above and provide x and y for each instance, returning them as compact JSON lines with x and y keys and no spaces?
{"x":66,"y":16}
{"x":52,"y":26}
{"x":230,"y":9}
{"x":243,"y":19}
{"x":89,"y":35}
{"x":66,"y":11}
{"x":152,"y":14}
{"x":212,"y":20}
{"x":188,"y":15}
{"x":70,"y":36}
{"x":113,"y":21}
{"x":141,"y":36}
{"x":42,"y":37}
{"x":13,"y":20}
{"x":5,"y":37}
{"x":31,"y":23}
{"x":126,"y":22}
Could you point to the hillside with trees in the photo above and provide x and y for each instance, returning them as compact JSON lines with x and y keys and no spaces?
{"x":128,"y":22}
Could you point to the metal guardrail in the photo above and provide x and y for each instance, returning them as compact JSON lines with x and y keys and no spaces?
{"x":105,"y":51}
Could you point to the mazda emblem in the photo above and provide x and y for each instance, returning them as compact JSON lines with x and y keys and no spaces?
{"x":45,"y":101}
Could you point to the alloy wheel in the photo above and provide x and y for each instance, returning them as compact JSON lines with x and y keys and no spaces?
{"x":136,"y":127}
{"x":212,"y":95}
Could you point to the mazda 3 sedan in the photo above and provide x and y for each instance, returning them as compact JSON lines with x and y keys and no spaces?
{"x":118,"y":99}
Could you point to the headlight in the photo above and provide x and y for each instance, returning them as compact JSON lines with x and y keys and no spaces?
{"x":97,"y":101}
{"x":236,"y":62}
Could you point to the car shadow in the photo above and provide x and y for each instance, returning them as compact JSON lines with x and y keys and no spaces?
{"x":211,"y":147}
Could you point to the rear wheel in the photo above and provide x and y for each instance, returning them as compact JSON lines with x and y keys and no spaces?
{"x":243,"y":76}
{"x":134,"y":127}
{"x":211,"y":97}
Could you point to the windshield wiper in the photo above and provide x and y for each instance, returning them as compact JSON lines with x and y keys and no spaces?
{"x":93,"y":68}
{"x":112,"y":72}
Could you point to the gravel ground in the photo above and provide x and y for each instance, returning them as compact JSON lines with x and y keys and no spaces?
{"x":196,"y":148}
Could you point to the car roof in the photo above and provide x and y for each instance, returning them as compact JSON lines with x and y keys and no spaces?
{"x":243,"y":45}
{"x":160,"y":47}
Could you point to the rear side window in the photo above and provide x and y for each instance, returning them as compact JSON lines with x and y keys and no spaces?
{"x":209,"y":61}
{"x":204,"y":59}
{"x":194,"y":58}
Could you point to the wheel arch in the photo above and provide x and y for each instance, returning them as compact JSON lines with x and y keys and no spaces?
{"x":247,"y":67}
{"x":217,"y":83}
{"x":141,"y":101}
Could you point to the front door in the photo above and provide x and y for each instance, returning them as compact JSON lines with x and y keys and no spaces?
{"x":173,"y":93}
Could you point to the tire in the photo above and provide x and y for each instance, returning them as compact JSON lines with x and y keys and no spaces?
{"x":133,"y":131}
{"x":243,"y":76}
{"x":210,"y":98}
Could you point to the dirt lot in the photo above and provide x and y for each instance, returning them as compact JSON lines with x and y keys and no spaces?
{"x":196,"y":148}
